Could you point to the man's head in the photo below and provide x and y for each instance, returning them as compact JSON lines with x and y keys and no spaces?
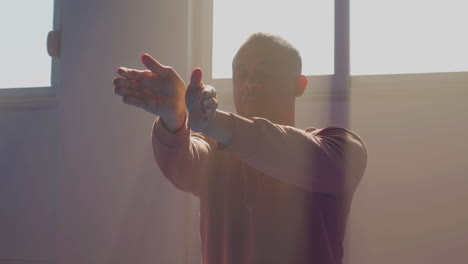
{"x":267,"y":78}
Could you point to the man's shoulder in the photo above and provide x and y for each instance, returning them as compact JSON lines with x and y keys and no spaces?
{"x":344,"y":145}
{"x":335,"y":131}
{"x":339,"y":138}
{"x":328,"y":129}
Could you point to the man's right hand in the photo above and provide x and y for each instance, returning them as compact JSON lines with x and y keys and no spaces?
{"x":158,"y":90}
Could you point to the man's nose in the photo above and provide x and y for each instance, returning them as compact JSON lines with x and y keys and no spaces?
{"x":252,"y":83}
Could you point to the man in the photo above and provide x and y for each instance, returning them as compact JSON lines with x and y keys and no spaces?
{"x":269,"y":192}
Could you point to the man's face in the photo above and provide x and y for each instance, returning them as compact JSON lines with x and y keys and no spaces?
{"x":263,"y":82}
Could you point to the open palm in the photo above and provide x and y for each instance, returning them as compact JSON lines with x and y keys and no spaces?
{"x":158,"y":90}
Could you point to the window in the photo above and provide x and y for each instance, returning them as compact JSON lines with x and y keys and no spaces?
{"x":26,"y":23}
{"x":234,"y":21}
{"x":401,"y":45}
{"x":401,"y":36}
{"x":219,"y":27}
{"x":26,"y":67}
{"x":397,"y":44}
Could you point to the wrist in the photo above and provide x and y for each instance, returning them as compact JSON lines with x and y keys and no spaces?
{"x":175,"y":123}
{"x":219,"y":127}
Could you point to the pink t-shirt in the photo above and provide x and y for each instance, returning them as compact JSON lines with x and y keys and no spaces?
{"x":274,"y":194}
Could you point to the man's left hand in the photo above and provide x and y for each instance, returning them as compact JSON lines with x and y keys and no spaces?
{"x":201,"y":102}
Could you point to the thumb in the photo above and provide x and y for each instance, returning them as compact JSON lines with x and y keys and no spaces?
{"x":195,"y":79}
{"x":152,"y":64}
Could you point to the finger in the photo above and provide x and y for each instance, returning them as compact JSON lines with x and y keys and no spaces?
{"x":129,"y":73}
{"x":194,"y":87}
{"x":147,"y":75}
{"x":209,"y":102}
{"x":124,"y":91}
{"x":147,"y":78}
{"x":207,"y":112}
{"x":130,"y":100}
{"x":153,"y":65}
{"x":195,"y":79}
{"x":208,"y":91}
{"x":132,"y":84}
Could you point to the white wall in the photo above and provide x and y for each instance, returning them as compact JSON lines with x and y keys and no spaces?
{"x":114,"y":206}
{"x":411,"y":206}
{"x":93,"y":155}
{"x":28,"y":169}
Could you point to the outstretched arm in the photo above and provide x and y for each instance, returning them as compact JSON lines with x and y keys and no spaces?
{"x":183,"y":159}
{"x":330,"y":160}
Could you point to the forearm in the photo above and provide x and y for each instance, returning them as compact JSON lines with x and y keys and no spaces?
{"x":220,"y":127}
{"x":283,"y":152}
{"x":184,"y":159}
{"x":175,"y":121}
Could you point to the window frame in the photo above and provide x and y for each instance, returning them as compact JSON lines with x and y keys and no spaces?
{"x":29,"y":98}
{"x":325,"y":87}
{"x":199,"y":51}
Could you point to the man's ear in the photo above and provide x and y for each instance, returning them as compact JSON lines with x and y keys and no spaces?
{"x":301,"y":84}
